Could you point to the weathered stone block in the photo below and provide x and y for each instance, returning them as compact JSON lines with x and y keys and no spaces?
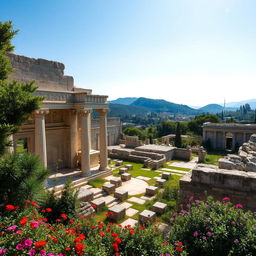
{"x":98,"y":204}
{"x":109,"y":188}
{"x":160,"y":182}
{"x":119,"y":162}
{"x":166,"y":175}
{"x":85,"y":195}
{"x":159,"y":207}
{"x":123,"y":170}
{"x":121,"y":194}
{"x":151,"y":190}
{"x":126,"y":176}
{"x":147,"y":216}
{"x":129,"y":167}
{"x":116,"y":212}
{"x":86,"y":210}
{"x":116,"y":181}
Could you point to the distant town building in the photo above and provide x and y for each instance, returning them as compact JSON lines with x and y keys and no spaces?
{"x":227,"y":136}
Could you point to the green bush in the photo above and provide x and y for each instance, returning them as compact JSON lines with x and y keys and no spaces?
{"x":67,"y":203}
{"x":21,"y":178}
{"x":215,"y":228}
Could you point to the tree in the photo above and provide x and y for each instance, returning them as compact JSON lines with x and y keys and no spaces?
{"x":178,"y":136}
{"x":16,"y":99}
{"x":134,"y":131}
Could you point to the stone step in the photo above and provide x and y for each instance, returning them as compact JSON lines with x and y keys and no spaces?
{"x":100,"y":195}
{"x":114,"y":203}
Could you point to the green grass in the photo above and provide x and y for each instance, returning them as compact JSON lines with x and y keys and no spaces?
{"x":213,"y":157}
{"x":97,"y":183}
{"x":176,"y":168}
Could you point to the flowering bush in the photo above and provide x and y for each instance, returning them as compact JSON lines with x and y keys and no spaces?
{"x":24,"y":231}
{"x":215,"y":228}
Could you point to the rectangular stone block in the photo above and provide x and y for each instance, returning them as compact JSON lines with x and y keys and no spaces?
{"x":159,"y":207}
{"x":166,"y":175}
{"x":85,"y":195}
{"x":151,"y":190}
{"x":160,"y":182}
{"x":121,"y":194}
{"x":147,"y":216}
{"x":109,"y":188}
{"x":116,"y":181}
{"x":119,"y":162}
{"x":98,"y":204}
{"x":129,"y":167}
{"x":126,"y":176}
{"x":123,"y":170}
{"x":116,"y":212}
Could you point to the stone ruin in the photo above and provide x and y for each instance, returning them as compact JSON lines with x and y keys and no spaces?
{"x":235,"y":177}
{"x":244,"y":161}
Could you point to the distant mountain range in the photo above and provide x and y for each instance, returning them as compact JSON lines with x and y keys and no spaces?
{"x":136,"y":106}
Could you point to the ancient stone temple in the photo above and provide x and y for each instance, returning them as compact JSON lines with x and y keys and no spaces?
{"x":227,"y":136}
{"x":62,"y":132}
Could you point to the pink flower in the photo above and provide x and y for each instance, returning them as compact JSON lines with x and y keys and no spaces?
{"x":3,"y":251}
{"x":19,"y":247}
{"x":19,"y":232}
{"x":12,"y":228}
{"x":195,"y":234}
{"x":239,"y":206}
{"x":34,"y":224}
{"x":27,"y":243}
{"x":51,"y":254}
{"x":60,"y":254}
{"x":32,"y":252}
{"x":226,"y":199}
{"x":42,"y":252}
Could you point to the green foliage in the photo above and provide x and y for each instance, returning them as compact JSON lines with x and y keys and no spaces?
{"x":178,"y":136}
{"x":21,"y":177}
{"x":195,"y":125}
{"x":97,"y":183}
{"x":6,"y":35}
{"x":66,"y":203}
{"x":133,"y":131}
{"x":215,"y":228}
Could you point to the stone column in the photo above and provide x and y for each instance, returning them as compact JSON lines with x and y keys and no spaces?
{"x":73,"y":138}
{"x":40,"y":135}
{"x":214,"y":139}
{"x":103,"y":139}
{"x":10,"y":148}
{"x":85,"y":140}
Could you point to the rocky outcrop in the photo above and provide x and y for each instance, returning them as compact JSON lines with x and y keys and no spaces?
{"x":246,"y":159}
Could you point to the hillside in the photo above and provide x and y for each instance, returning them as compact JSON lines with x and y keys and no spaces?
{"x":237,"y":104}
{"x":211,"y":108}
{"x":123,"y":101}
{"x":120,"y":110}
{"x":164,"y":106}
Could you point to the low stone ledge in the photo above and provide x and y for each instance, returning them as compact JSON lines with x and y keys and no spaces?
{"x":116,"y":181}
{"x":151,"y":190}
{"x":147,"y":216}
{"x":126,"y":176}
{"x":116,"y":212}
{"x":108,"y":188}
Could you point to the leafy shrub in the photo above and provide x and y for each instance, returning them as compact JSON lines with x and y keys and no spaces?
{"x":27,"y":232}
{"x":66,"y":203}
{"x":215,"y":228}
{"x":21,"y":177}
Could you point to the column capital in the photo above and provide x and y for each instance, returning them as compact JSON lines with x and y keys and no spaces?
{"x":41,"y":112}
{"x":103,"y":111}
{"x":85,"y":111}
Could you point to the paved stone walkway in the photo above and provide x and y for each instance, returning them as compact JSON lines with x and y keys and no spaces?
{"x":134,"y":186}
{"x":130,"y":222}
{"x":190,"y":165}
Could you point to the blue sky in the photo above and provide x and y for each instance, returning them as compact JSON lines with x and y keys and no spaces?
{"x":186,"y":51}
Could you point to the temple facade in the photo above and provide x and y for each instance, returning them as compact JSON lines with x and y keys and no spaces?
{"x":227,"y":136}
{"x":62,"y":132}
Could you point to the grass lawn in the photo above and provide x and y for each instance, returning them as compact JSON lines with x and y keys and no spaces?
{"x":97,"y":183}
{"x":175,"y":168}
{"x":213,"y":157}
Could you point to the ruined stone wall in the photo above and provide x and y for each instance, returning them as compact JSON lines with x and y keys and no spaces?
{"x":49,"y":75}
{"x":182,"y":154}
{"x":209,"y":180}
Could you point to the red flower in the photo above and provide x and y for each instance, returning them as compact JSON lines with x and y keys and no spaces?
{"x":48,"y":210}
{"x":111,"y":213}
{"x":118,"y":240}
{"x":67,"y":249}
{"x":24,"y":221}
{"x":226,"y":199}
{"x":9,"y":207}
{"x":40,"y":244}
{"x":79,"y":247}
{"x":94,"y":205}
{"x":33,"y":203}
{"x":115,"y":247}
{"x":179,"y":249}
{"x":101,"y":234}
{"x":114,"y":235}
{"x":179,"y":243}
{"x":64,"y":216}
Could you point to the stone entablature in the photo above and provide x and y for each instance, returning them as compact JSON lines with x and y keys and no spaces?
{"x":229,"y":136}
